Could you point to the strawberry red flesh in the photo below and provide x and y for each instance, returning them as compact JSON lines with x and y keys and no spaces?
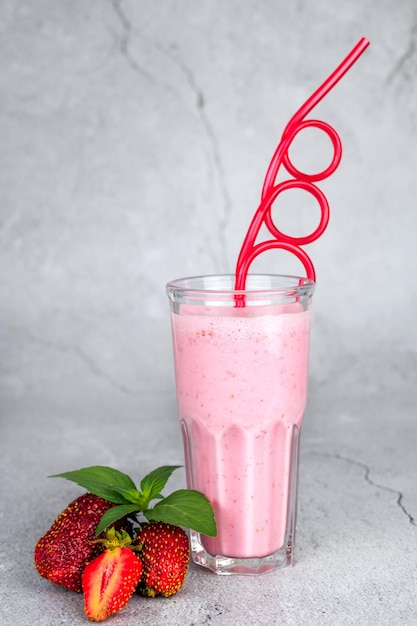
{"x":109,"y":582}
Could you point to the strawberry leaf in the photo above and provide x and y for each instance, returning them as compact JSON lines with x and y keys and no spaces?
{"x":188,"y":508}
{"x":103,"y":481}
{"x":154,"y":482}
{"x":113,"y":515}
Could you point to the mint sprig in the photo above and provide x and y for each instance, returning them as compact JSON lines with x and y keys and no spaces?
{"x":185,"y":507}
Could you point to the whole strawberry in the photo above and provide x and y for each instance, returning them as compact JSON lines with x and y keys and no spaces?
{"x":63,"y":551}
{"x":164,"y":550}
{"x":110,"y":579}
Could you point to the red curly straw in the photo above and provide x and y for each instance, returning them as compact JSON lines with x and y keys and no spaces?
{"x":270,"y":191}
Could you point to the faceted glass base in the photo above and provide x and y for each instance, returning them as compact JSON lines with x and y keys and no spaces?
{"x":283,"y":557}
{"x":227,"y":565}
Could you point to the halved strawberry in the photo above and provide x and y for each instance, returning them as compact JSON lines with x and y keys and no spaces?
{"x":164,"y":550}
{"x":110,"y":579}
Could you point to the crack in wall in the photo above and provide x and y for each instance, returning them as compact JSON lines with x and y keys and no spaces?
{"x":7,"y":225}
{"x":367,"y":472}
{"x":124,"y":42}
{"x":95,"y":369}
{"x":401,"y":65}
{"x":124,"y":46}
{"x":82,"y":356}
{"x":215,"y":151}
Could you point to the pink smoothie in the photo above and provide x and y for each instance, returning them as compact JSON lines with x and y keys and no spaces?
{"x":241,"y":387}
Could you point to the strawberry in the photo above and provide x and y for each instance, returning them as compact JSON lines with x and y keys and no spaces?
{"x":63,"y":551}
{"x":164,"y":550}
{"x":110,"y":579}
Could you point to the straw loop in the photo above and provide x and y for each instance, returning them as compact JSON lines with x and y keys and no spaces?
{"x":243,"y":268}
{"x":305,"y":186}
{"x":337,"y":151}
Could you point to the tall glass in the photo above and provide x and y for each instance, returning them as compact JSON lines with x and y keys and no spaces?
{"x":241,"y":368}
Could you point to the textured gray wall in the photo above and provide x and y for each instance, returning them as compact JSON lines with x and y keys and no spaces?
{"x":134,"y":140}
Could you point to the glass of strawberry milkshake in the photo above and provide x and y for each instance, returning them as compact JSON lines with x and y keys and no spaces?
{"x":241,"y":369}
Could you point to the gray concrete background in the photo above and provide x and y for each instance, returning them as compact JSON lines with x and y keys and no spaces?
{"x":134,"y":140}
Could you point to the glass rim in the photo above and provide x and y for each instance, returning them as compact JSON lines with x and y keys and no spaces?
{"x":295,"y":284}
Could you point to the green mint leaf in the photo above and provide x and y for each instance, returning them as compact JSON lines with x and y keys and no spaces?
{"x":130,"y":495}
{"x":103,"y":481}
{"x":113,"y":515}
{"x":154,"y":482}
{"x":188,"y":508}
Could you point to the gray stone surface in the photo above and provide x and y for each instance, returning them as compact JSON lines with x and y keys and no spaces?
{"x":134,"y":140}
